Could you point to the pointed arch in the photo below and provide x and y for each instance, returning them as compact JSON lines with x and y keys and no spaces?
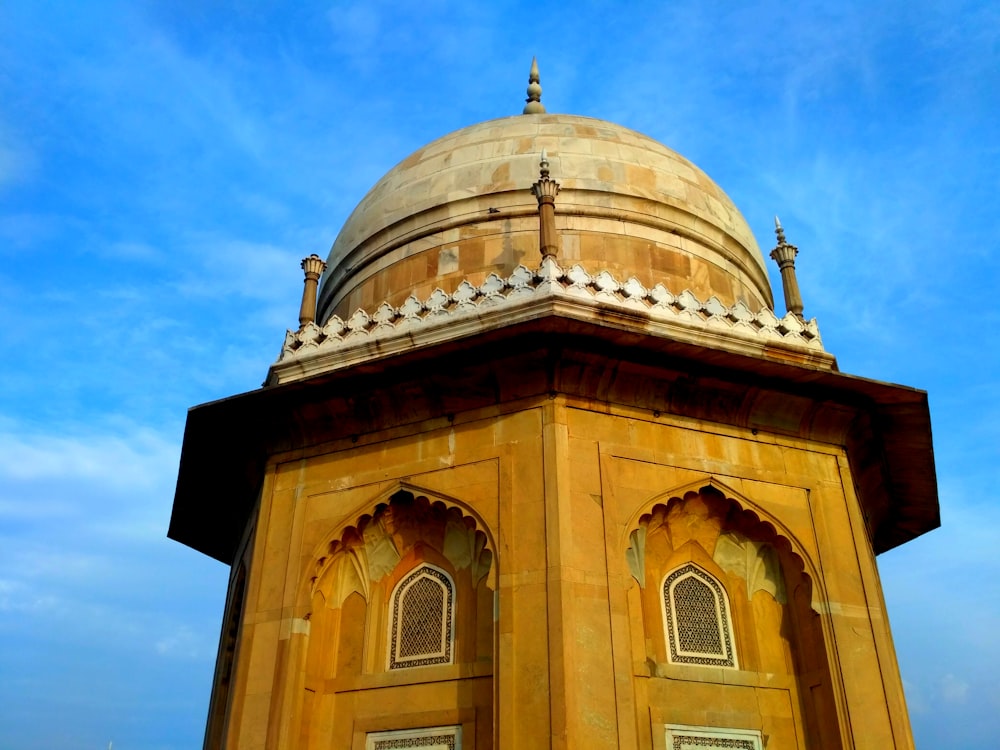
{"x":380,"y":532}
{"x":743,"y":514}
{"x":418,"y":573}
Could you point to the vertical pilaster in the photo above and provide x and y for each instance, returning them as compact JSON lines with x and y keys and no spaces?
{"x":558,"y":540}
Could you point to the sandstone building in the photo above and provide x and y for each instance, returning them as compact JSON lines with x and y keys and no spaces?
{"x":542,"y":468}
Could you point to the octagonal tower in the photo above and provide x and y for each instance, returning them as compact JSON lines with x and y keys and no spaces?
{"x":542,"y":468}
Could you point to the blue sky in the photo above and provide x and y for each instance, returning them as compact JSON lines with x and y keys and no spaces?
{"x":164,"y":166}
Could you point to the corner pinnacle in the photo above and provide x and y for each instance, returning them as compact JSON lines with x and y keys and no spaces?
{"x":784,"y":255}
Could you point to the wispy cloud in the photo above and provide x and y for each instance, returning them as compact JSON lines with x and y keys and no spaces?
{"x":954,"y":690}
{"x":185,"y":643}
{"x":136,"y":461}
{"x":357,"y":33}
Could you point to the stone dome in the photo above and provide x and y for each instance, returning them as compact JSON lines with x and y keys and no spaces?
{"x":461,"y":208}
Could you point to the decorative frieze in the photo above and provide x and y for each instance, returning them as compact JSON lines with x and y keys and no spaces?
{"x":601,"y":291}
{"x":432,"y":738}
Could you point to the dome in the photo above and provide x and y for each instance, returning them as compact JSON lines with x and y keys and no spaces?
{"x":461,"y":208}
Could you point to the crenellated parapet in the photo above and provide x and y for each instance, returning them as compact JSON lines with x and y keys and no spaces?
{"x":531,"y":293}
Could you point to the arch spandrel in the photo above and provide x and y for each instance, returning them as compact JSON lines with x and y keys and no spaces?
{"x":360,"y":552}
{"x":746,"y":528}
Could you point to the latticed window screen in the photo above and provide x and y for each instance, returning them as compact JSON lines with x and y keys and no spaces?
{"x":696,"y":612}
{"x":422,"y":619}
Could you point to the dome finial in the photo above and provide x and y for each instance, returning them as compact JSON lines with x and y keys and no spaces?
{"x":534,"y":104}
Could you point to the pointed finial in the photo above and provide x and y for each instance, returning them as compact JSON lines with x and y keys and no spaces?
{"x":779,"y":231}
{"x":543,"y":164}
{"x":534,"y":104}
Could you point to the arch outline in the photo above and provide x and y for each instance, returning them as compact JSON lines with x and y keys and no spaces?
{"x":348,"y":538}
{"x":774,"y":530}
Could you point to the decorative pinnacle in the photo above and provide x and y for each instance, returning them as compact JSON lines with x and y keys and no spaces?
{"x":313,"y":267}
{"x":784,"y":255}
{"x":779,"y":230}
{"x":534,"y":104}
{"x":546,"y":189}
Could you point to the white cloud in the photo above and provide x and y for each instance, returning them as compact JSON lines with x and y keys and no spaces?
{"x":135,"y":461}
{"x":184,"y":643}
{"x":229,"y":267}
{"x":132,"y":251}
{"x":17,"y":598}
{"x":915,"y":700}
{"x":953,"y":689}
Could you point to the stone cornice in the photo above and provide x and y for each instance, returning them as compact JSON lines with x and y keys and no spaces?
{"x":548,"y":290}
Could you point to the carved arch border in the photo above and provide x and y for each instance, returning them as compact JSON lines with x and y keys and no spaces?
{"x":325,"y":553}
{"x":757,"y":514}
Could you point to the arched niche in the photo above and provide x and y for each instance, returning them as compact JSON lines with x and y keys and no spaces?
{"x":349,"y":591}
{"x":362,"y":563}
{"x":769,"y":581}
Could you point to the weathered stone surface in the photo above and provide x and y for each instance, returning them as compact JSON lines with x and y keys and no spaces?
{"x":460,"y":207}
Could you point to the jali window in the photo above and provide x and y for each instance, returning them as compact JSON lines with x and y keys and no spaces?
{"x":696,"y":614}
{"x":422,"y":622}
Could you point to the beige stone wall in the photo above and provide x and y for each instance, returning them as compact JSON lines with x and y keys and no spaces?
{"x":560,"y":644}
